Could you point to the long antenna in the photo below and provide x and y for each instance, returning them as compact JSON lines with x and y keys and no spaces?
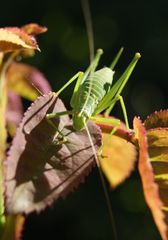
{"x":89,"y":28}
{"x":103,"y":184}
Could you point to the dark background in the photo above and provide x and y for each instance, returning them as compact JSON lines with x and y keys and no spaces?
{"x":138,"y":26}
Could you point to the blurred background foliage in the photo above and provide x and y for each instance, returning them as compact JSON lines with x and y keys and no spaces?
{"x":138,"y":26}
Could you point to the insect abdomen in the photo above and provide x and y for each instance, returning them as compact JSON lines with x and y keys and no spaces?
{"x":93,"y":90}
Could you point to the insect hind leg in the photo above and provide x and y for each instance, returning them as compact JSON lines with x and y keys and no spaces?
{"x":120,"y":98}
{"x":113,"y":102}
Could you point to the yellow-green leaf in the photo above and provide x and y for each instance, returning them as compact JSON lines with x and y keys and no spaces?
{"x":22,"y":79}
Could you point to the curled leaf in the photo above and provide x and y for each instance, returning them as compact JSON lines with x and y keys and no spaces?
{"x":150,"y":188}
{"x":33,"y":29}
{"x":13,"y":38}
{"x":117,"y":156}
{"x":25,"y":80}
{"x":41,"y":166}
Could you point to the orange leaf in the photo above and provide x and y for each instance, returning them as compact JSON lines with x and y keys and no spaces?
{"x":118,"y":155}
{"x":33,"y":29}
{"x":150,"y":188}
{"x":13,"y":38}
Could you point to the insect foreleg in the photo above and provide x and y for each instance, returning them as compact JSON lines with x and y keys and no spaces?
{"x":58,"y":114}
{"x":76,"y":76}
{"x":57,"y":139}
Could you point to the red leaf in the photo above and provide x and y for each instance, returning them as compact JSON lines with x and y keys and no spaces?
{"x":150,"y":188}
{"x":157,"y":119}
{"x":39,"y":169}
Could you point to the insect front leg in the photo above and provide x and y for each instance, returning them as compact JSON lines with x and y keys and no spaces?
{"x":51,"y":116}
{"x":77,"y":76}
{"x":59,"y":137}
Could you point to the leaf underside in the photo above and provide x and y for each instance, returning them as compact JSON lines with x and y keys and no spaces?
{"x":39,"y":169}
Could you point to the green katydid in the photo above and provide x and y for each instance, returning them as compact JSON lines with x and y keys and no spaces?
{"x":94,"y":94}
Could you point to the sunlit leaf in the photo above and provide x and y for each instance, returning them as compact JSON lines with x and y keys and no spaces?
{"x":42,"y":167}
{"x":26,"y":80}
{"x":13,"y":38}
{"x":117,"y":156}
{"x":150,"y":188}
{"x":14,"y":112}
